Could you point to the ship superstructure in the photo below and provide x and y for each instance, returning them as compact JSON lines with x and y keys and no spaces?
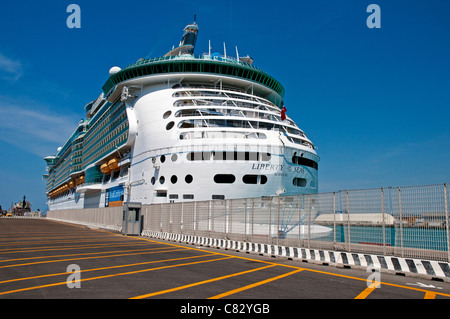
{"x":181,"y":128}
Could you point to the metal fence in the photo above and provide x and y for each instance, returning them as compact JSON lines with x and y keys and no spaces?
{"x":398,"y":221}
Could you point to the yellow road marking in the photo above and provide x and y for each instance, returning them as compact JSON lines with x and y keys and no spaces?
{"x":199,"y":283}
{"x":45,"y":248}
{"x":106,"y":268}
{"x":368,"y":290}
{"x":81,"y":254}
{"x":114,"y":275}
{"x":256,"y":284}
{"x":142,"y":252}
{"x":59,"y":241}
{"x":430,"y":295}
{"x":306,"y":269}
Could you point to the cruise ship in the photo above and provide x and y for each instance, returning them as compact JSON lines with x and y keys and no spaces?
{"x":183,"y":127}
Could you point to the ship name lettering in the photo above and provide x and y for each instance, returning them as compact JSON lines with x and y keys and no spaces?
{"x":268,"y":167}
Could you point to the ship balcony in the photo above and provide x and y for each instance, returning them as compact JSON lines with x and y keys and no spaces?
{"x":91,"y":188}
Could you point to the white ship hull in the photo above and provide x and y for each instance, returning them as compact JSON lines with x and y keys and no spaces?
{"x":186,"y":136}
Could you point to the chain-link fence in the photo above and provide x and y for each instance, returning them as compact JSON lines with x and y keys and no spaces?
{"x":398,"y":221}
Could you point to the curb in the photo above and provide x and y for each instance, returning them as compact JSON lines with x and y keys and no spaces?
{"x":429,"y":269}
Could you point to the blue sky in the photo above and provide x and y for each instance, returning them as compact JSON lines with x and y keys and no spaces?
{"x":376,"y":102}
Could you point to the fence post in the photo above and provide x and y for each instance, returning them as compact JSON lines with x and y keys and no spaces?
{"x":278,"y":217}
{"x":401,"y":220}
{"x":182,"y":219}
{"x":334,"y":219}
{"x":209,"y":218}
{"x":309,"y":221}
{"x":160,"y":218}
{"x":270,"y":222}
{"x":300,"y":205}
{"x":446,"y":221}
{"x":383,"y":221}
{"x":348,"y":222}
{"x":194,"y":218}
{"x":252,"y":218}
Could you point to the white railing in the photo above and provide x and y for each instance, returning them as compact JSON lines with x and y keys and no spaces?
{"x":397,"y":221}
{"x":394,"y":221}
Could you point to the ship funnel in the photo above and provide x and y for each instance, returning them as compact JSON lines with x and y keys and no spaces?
{"x":187,"y":43}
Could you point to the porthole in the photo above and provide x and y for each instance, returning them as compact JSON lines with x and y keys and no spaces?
{"x":174,"y":179}
{"x":224,"y":178}
{"x":188,"y":179}
{"x":167,"y":114}
{"x":299,"y":182}
{"x":170,"y":125}
{"x":174,"y":157}
{"x":162,"y":180}
{"x":153,"y":180}
{"x":254,"y":179}
{"x":163,"y":158}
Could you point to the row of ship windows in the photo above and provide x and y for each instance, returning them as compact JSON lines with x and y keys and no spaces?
{"x":111,"y":129}
{"x":89,"y":158}
{"x":229,"y":95}
{"x":106,"y":118}
{"x":185,"y":196}
{"x":225,"y":103}
{"x":230,"y":179}
{"x":238,"y":156}
{"x":257,"y":125}
{"x":232,"y":112}
{"x":222,"y":134}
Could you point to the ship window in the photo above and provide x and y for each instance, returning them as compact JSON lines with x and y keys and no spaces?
{"x":188,"y":196}
{"x":170,"y":125}
{"x":174,"y":179}
{"x":198,"y":156}
{"x":167,"y":114}
{"x":218,"y":197}
{"x":162,"y":180}
{"x":254,"y":179}
{"x":224,"y":178}
{"x":161,"y":193}
{"x":188,"y":179}
{"x":174,"y":157}
{"x":304,"y":161}
{"x":299,"y":182}
{"x":173,"y":196}
{"x":115,"y":175}
{"x":153,"y":180}
{"x":163,"y":158}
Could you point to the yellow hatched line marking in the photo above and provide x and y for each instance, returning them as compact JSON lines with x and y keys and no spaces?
{"x":141,"y":252}
{"x":256,"y":284}
{"x":114,"y":275}
{"x":366,"y":292}
{"x":199,"y":283}
{"x":81,"y":254}
{"x":430,"y":295}
{"x":106,"y":268}
{"x":296,"y":267}
{"x":46,"y":248}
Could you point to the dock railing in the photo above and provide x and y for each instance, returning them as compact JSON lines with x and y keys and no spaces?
{"x":410,"y":222}
{"x":395,"y":221}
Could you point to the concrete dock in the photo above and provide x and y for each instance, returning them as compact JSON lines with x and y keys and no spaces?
{"x":43,"y":259}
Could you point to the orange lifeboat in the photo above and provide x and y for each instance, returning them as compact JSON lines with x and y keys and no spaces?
{"x":105,"y":169}
{"x":113,"y":164}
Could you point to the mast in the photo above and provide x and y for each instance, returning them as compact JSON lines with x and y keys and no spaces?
{"x":187,"y":43}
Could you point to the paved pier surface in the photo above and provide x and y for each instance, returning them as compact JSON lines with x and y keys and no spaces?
{"x":38,"y":259}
